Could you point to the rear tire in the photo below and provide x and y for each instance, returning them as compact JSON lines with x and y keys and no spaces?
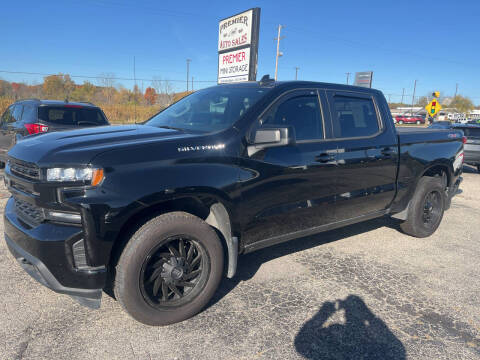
{"x":401,"y":122}
{"x":169,"y":269}
{"x":418,"y":122}
{"x":425,"y":211}
{"x":478,"y":168}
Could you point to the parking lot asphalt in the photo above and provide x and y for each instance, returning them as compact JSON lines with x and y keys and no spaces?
{"x":362,"y":292}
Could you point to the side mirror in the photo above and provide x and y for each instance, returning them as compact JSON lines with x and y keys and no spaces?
{"x":267,"y":136}
{"x":271,"y":137}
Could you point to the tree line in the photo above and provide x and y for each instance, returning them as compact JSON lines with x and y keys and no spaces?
{"x":121,"y":105}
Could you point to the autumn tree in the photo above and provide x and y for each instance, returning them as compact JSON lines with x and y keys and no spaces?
{"x":85,"y":92}
{"x":462,"y":103}
{"x":150,"y":95}
{"x":58,"y":86}
{"x":164,"y":91}
{"x":107,"y":82}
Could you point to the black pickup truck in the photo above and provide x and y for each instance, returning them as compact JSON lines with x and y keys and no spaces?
{"x":161,"y":211}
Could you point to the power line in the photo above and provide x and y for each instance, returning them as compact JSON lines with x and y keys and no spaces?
{"x":99,"y":77}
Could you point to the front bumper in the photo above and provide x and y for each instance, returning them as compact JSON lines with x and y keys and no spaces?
{"x":45,"y":252}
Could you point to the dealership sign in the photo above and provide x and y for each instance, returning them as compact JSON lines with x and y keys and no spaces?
{"x":364,"y":79}
{"x":238,"y":47}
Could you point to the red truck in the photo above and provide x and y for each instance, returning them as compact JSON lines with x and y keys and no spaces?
{"x":416,"y":119}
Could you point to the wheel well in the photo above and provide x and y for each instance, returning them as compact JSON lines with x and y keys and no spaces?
{"x":191,"y":205}
{"x":438,"y":170}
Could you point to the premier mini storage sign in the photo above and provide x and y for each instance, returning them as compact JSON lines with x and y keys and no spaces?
{"x":238,"y":47}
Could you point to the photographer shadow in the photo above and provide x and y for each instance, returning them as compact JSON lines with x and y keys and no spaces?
{"x":362,"y":335}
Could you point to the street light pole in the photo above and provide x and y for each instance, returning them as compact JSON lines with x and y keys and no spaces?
{"x":188,"y":70}
{"x":403,"y":94}
{"x":456,"y":90}
{"x":296,"y":72}
{"x":348,"y":76}
{"x":278,"y":50}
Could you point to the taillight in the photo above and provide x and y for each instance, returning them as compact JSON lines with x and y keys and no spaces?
{"x":36,"y":128}
{"x":464,"y":139}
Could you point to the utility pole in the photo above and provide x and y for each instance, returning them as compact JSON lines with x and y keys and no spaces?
{"x":134,"y":92}
{"x":278,"y":38}
{"x":296,"y":72}
{"x":456,"y":90}
{"x":348,"y":76}
{"x":389,"y":98}
{"x":403,"y":94}
{"x":192,"y":83}
{"x":188,"y":70}
{"x":413,"y":96}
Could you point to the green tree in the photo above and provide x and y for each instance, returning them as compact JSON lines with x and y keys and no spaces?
{"x":462,"y":103}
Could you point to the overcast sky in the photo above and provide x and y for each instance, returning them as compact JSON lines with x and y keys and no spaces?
{"x":435,"y":43}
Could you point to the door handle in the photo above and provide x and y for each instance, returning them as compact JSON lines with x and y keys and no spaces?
{"x":325,"y":157}
{"x":388,"y":151}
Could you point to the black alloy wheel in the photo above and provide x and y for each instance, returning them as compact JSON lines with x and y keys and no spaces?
{"x":426,"y":208}
{"x":432,"y":209}
{"x":169,"y":269}
{"x":174,"y":272}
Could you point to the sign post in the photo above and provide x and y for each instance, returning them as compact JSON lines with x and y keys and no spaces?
{"x":238,"y":47}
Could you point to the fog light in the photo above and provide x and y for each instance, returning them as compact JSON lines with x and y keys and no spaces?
{"x":64,"y":217}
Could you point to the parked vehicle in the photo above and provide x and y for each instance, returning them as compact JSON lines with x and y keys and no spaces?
{"x":403,"y":119}
{"x":440,"y":125}
{"x":472,"y":143}
{"x":158,"y":209}
{"x":27,"y":117}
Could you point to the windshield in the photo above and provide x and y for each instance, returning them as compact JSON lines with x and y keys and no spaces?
{"x":208,"y":110}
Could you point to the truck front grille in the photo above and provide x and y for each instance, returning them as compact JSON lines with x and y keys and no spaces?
{"x":24,"y":169}
{"x":29,"y":213}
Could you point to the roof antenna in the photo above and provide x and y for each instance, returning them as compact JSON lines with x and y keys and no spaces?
{"x":266,"y":79}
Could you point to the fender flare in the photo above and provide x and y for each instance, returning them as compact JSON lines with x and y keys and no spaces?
{"x":219,"y":219}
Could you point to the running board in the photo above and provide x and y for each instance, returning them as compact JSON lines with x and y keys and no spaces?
{"x":311,"y":231}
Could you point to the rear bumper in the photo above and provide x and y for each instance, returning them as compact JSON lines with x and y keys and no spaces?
{"x":45,"y":253}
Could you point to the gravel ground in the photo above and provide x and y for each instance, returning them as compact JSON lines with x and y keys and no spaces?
{"x":362,"y":292}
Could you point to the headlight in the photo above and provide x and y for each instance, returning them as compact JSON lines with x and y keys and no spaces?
{"x":92,"y":175}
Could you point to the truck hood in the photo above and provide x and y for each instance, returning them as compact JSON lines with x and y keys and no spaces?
{"x":79,"y":147}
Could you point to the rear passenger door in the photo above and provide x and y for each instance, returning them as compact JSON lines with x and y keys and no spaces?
{"x":11,"y":119}
{"x":367,"y":154}
{"x":5,"y":141}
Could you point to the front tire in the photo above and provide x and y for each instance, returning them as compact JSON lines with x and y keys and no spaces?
{"x":426,"y":208}
{"x":478,"y":168}
{"x":418,"y":122}
{"x":169,"y":269}
{"x":401,"y":122}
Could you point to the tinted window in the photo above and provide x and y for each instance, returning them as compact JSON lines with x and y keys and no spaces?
{"x":207,"y":110}
{"x":471,"y":132}
{"x":354,"y":117}
{"x":17,"y":113}
{"x":300,"y":112}
{"x":7,"y":116}
{"x":29,"y":113}
{"x":71,"y":116}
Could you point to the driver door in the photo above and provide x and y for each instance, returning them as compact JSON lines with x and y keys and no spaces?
{"x":292,"y":187}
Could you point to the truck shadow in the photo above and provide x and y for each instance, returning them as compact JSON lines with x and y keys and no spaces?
{"x":358,"y":334}
{"x":249,"y":264}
